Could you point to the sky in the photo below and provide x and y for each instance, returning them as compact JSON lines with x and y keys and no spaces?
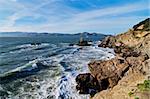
{"x":72,"y":16}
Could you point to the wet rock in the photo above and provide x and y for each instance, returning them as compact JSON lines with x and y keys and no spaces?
{"x":71,"y":44}
{"x":83,"y":43}
{"x":35,"y":43}
{"x":87,"y":84}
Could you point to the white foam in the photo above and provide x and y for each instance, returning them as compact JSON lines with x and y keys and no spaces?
{"x":58,"y":81}
{"x":28,"y":65}
{"x":28,"y":47}
{"x":79,"y":60}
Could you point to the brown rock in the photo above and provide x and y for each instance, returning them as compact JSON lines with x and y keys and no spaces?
{"x":110,"y":70}
{"x":87,"y":84}
{"x":108,"y":42}
{"x":133,"y":53}
{"x":138,"y":63}
{"x":144,"y":46}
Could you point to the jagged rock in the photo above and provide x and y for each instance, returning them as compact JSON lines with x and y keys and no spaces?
{"x":131,"y":38}
{"x":146,"y":68}
{"x":144,"y":46}
{"x":108,"y":42}
{"x":124,"y":51}
{"x":133,"y":52}
{"x":87,"y":84}
{"x":83,"y":43}
{"x":105,"y":74}
{"x":110,"y":70}
{"x":137,"y":62}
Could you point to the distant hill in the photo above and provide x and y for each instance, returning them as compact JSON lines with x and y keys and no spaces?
{"x":28,"y":34}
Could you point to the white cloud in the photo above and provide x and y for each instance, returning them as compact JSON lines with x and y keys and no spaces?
{"x":71,"y":20}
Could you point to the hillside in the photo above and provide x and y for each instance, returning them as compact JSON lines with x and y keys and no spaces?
{"x":120,"y":77}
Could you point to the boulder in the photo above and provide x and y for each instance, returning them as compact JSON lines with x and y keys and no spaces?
{"x":87,"y":84}
{"x":110,"y":70}
{"x":83,"y":43}
{"x":108,"y":42}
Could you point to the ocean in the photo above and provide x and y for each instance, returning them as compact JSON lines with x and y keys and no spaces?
{"x":45,"y":67}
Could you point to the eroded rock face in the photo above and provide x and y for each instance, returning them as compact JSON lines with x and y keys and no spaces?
{"x":108,"y":42}
{"x":110,"y":70}
{"x":132,"y":38}
{"x":132,"y":52}
{"x":144,"y":46}
{"x":87,"y":84}
{"x":106,"y":74}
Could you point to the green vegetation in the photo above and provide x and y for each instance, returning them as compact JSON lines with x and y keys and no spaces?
{"x":130,"y":94}
{"x":136,"y":98}
{"x":145,"y":23}
{"x":144,"y":86}
{"x":147,"y":26}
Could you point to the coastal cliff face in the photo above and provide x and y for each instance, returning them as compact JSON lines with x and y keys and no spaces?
{"x":115,"y":78}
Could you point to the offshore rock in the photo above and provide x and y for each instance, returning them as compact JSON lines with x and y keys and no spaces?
{"x":83,"y":43}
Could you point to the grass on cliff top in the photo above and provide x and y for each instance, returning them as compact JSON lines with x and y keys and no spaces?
{"x":144,"y":86}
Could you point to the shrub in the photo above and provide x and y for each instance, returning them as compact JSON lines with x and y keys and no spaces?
{"x":136,"y":98}
{"x":144,"y":86}
{"x":130,"y":93}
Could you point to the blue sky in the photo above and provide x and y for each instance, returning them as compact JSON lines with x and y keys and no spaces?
{"x":72,"y":16}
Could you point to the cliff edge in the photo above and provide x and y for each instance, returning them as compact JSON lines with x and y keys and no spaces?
{"x":120,"y":77}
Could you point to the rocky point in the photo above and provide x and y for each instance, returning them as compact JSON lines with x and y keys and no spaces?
{"x":132,"y":62}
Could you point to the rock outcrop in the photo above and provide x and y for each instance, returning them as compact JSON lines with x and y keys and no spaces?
{"x":87,"y":84}
{"x":132,"y":50}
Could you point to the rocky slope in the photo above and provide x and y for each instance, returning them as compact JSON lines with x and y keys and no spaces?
{"x":115,"y":78}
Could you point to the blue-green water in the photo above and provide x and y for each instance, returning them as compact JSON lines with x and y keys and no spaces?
{"x":44,"y":67}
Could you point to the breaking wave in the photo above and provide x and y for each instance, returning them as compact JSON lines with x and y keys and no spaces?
{"x":52,"y":75}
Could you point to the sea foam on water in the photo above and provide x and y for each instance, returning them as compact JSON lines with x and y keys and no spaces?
{"x":58,"y":80}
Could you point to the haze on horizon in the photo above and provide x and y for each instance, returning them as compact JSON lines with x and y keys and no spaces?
{"x":71,"y":16}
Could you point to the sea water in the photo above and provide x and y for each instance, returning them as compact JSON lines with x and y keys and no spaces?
{"x":45,"y":67}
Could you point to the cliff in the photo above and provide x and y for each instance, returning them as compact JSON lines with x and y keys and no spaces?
{"x":116,"y":78}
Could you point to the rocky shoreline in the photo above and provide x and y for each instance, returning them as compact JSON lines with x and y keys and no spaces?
{"x":132,"y":50}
